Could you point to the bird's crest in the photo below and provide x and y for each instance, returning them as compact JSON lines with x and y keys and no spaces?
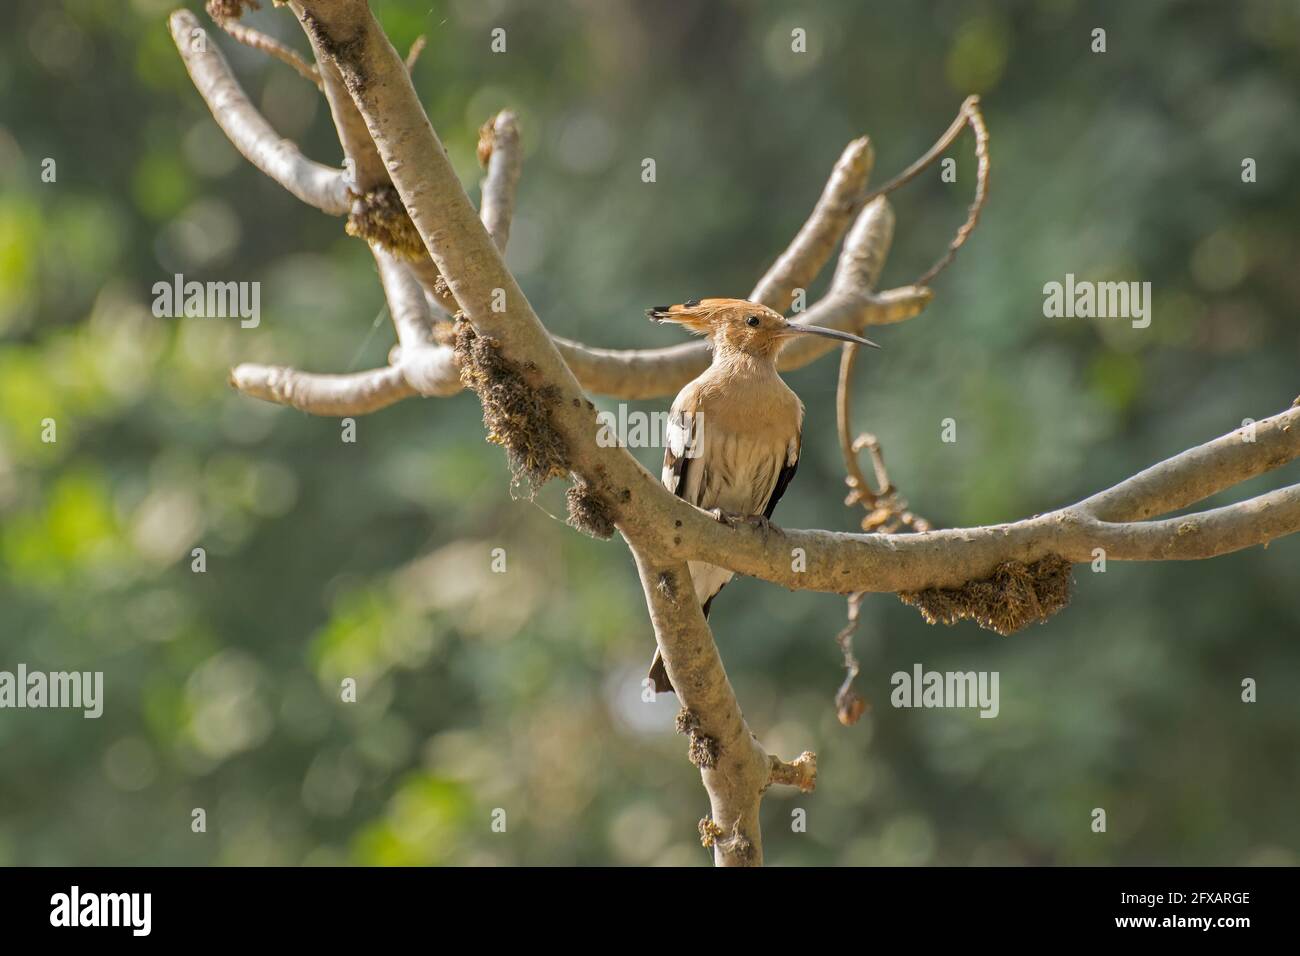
{"x":702,"y":315}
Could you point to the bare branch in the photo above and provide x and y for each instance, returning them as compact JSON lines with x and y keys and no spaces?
{"x":645,"y":373}
{"x":649,"y":372}
{"x":735,"y":769}
{"x":317,"y":185}
{"x":418,"y":365}
{"x":976,"y":120}
{"x":499,"y":153}
{"x":470,"y":262}
{"x":840,"y":201}
{"x":427,"y":365}
{"x":413,"y":54}
{"x":1200,"y":472}
{"x":412,"y":319}
{"x":368,"y":173}
{"x":801,"y":772}
{"x":330,"y":395}
{"x":372,"y":181}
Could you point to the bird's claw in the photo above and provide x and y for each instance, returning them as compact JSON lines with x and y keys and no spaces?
{"x":731,"y":519}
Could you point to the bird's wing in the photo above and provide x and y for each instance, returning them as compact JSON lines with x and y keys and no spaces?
{"x":680,"y":449}
{"x":784,"y":477}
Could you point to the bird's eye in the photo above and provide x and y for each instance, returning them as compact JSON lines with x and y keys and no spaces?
{"x":753,"y":321}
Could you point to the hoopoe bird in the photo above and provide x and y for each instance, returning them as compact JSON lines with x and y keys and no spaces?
{"x":734,"y":433}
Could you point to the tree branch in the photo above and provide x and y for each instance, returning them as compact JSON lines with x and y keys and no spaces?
{"x":652,"y":373}
{"x":317,"y":185}
{"x":947,"y":558}
{"x":523,"y":381}
{"x":968,"y":115}
{"x":736,"y":771}
{"x":500,"y":155}
{"x":840,"y":201}
{"x":427,"y":366}
{"x":417,"y":365}
{"x":1200,"y":472}
{"x":331,"y":395}
{"x":849,"y":305}
{"x":621,"y":373}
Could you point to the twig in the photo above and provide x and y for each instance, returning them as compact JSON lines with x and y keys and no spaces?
{"x":800,"y":772}
{"x":413,"y":54}
{"x":849,"y":704}
{"x":886,"y":510}
{"x":272,"y":47}
{"x":968,"y":115}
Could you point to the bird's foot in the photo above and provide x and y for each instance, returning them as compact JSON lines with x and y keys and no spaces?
{"x":732,"y":520}
{"x":729,"y":518}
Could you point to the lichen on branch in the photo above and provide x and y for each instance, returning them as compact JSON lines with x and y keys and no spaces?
{"x":379,"y":216}
{"x":1012,"y":597}
{"x":516,"y":413}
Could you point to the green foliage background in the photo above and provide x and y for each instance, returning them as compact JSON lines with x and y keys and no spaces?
{"x":521,"y":691}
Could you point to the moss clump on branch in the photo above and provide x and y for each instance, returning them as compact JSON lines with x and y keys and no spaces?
{"x":1014,"y":596}
{"x":516,"y":414}
{"x":710,"y":833}
{"x":703,"y":751}
{"x":380,"y":216}
{"x":588,"y":511}
{"x":686,"y":722}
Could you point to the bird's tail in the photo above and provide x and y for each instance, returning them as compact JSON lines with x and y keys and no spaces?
{"x":659,"y":675}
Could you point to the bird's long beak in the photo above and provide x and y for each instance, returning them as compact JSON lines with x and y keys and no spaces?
{"x":795,"y":329}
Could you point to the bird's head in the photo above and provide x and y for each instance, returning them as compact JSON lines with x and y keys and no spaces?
{"x":742,"y":326}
